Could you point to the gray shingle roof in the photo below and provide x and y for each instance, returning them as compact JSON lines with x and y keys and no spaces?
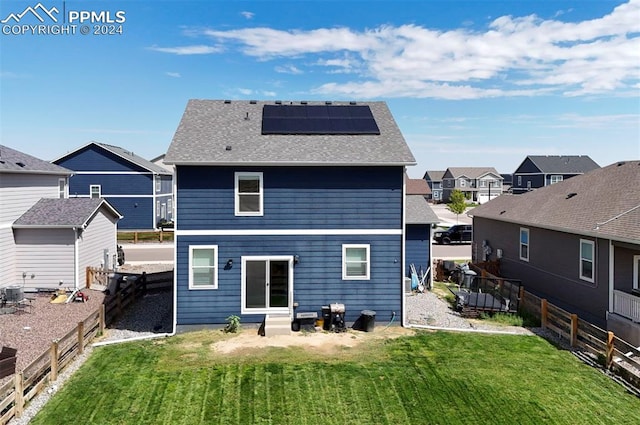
{"x":215,"y":132}
{"x":13,"y":161}
{"x":434,"y":176}
{"x":418,"y":211}
{"x":563,"y":164}
{"x":125,"y":154}
{"x":602,"y":203}
{"x":471,"y":172}
{"x":64,"y":213}
{"x":417,"y":187}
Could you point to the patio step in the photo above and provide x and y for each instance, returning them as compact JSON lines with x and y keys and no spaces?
{"x":277,"y":324}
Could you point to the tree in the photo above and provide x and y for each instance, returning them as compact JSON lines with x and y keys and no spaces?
{"x":457,"y":203}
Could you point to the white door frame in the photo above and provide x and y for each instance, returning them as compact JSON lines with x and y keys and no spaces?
{"x":267,"y":310}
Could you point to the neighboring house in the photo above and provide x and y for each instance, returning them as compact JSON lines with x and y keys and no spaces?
{"x":139,"y":189}
{"x":159,"y":160}
{"x":57,"y":239}
{"x":419,"y":220}
{"x":29,"y":255}
{"x":576,"y":243}
{"x":434,"y":180}
{"x":544,"y":170}
{"x":478,"y":184}
{"x":282,"y":205}
{"x":507,"y":182}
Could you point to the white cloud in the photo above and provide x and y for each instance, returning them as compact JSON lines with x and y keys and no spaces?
{"x":288,"y":69}
{"x":248,"y":15}
{"x":245,"y":92}
{"x":173,"y":74}
{"x":188,"y":50}
{"x":514,"y":56}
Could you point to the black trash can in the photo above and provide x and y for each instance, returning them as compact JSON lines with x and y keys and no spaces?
{"x":326,"y":318}
{"x":368,"y":320}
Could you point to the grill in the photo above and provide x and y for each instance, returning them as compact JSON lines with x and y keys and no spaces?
{"x":336,"y":315}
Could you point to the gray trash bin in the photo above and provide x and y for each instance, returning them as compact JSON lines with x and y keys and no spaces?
{"x":468,"y":277}
{"x":368,"y":320}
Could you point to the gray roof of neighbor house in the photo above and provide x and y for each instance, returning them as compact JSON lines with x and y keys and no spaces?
{"x":62,"y":213}
{"x":471,"y":172}
{"x":418,"y":211}
{"x":13,"y":161}
{"x":602,"y":203}
{"x":125,"y":154}
{"x":230,"y":132}
{"x":563,"y":164}
{"x":435,"y":176}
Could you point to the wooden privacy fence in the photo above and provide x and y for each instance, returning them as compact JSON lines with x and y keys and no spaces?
{"x":612,"y":352}
{"x":45,"y":369}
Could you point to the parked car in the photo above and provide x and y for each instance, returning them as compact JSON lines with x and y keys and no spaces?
{"x":461,"y":233}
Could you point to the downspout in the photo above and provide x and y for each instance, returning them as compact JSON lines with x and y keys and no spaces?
{"x":403,"y":235}
{"x":76,"y":262}
{"x":611,"y":278}
{"x":174,"y":195}
{"x":154,"y":222}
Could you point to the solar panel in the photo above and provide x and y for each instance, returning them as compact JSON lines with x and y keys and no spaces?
{"x":318,"y":119}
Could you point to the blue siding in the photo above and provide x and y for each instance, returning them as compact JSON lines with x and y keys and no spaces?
{"x":317,"y":277}
{"x":294,"y":198}
{"x":136,"y":212}
{"x":417,"y":247}
{"x":112,"y":184}
{"x":94,"y":158}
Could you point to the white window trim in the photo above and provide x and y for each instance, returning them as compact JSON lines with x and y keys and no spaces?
{"x":238,"y":175}
{"x":555,"y":178}
{"x":91,"y":190}
{"x":528,"y":244}
{"x":636,"y":271}
{"x":593,"y":261}
{"x":64,"y":193}
{"x":344,"y":262}
{"x":215,"y":266}
{"x":463,"y":183}
{"x":158,"y":184}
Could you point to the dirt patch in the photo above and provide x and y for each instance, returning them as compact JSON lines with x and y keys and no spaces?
{"x":321,"y":341}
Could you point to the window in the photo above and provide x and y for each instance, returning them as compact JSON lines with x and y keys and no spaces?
{"x":519,"y":180}
{"x":203,"y":267}
{"x":636,"y":272}
{"x":529,"y":185}
{"x":463,"y":182}
{"x":524,"y":244}
{"x":437,"y":185}
{"x":95,"y":191}
{"x":170,"y":207}
{"x":483,"y":183}
{"x":248,"y":194}
{"x":62,"y":188}
{"x":586,"y":260}
{"x":158,"y":184}
{"x":555,"y":179}
{"x":355,"y":262}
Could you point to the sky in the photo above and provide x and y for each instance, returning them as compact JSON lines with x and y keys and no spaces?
{"x":479,"y":83}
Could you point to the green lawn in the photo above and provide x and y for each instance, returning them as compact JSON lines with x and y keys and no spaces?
{"x":430,"y":378}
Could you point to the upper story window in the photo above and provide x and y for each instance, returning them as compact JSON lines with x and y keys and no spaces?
{"x":437,"y":185}
{"x":483,"y":183}
{"x":463,"y":183}
{"x":158,"y":184}
{"x":524,"y":244}
{"x":62,"y":188}
{"x":555,"y":179}
{"x":248,"y":194}
{"x":355,"y":262}
{"x":587,"y":250}
{"x":95,"y":191}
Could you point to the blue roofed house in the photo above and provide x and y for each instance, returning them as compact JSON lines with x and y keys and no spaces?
{"x":139,"y":189}
{"x":543,"y":170}
{"x":45,"y":237}
{"x":287,"y":204}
